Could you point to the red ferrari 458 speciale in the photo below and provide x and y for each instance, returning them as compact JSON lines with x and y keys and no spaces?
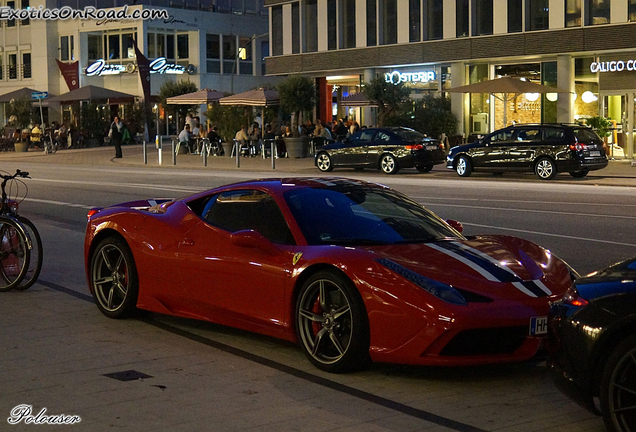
{"x":352,"y":271}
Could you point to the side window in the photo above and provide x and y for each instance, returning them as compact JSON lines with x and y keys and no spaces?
{"x":505,"y":135}
{"x":248,"y":209}
{"x":529,"y":135}
{"x":553,"y":134}
{"x":382,"y":137}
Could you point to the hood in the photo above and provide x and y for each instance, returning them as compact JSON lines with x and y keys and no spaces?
{"x":487,"y":266}
{"x":619,"y":278}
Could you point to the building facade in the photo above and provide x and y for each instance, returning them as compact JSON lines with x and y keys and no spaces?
{"x":217,"y":44}
{"x":585,"y":47}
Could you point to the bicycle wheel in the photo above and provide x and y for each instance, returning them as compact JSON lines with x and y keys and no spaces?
{"x":14,"y":254}
{"x":35,"y":255}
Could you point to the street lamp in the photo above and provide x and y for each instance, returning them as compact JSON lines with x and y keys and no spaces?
{"x":236,"y":57}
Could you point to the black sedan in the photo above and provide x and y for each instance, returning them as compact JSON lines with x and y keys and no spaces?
{"x":388,"y":149}
{"x":592,"y":344}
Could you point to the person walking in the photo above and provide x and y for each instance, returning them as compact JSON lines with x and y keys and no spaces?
{"x":115,"y":134}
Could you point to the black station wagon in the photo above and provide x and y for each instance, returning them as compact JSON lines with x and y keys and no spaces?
{"x":546,"y":150}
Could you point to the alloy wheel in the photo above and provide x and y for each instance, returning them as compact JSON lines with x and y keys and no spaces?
{"x":545,"y":169}
{"x":324,"y":162}
{"x":388,"y":164}
{"x":622,"y":393}
{"x":111,"y":279}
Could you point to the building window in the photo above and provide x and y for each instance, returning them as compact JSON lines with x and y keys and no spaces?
{"x":170,"y":47}
{"x":515,"y":16}
{"x":372,"y":24}
{"x":150,"y":46}
{"x":127,"y":46}
{"x":183,"y":49}
{"x":277,"y":30}
{"x":311,"y":26}
{"x":348,"y":23}
{"x":26,"y":65}
{"x":95,"y":47}
{"x":414,"y":21}
{"x":332,"y":25}
{"x":25,"y":5}
{"x":13,"y":66}
{"x":388,"y":10}
{"x":213,"y":53}
{"x":537,"y":14}
{"x":597,"y":12}
{"x":246,"y":66}
{"x":11,"y":23}
{"x":572,"y":13}
{"x":229,"y":54}
{"x":295,"y":30}
{"x":1,"y":69}
{"x":482,"y":17}
{"x":112,"y":46}
{"x":461,"y":16}
{"x":67,"y":49}
{"x":631,"y":10}
{"x":433,"y":19}
{"x":264,"y":53}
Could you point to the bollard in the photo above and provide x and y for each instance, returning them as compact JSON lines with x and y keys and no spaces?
{"x":174,"y":152}
{"x":237,"y":147}
{"x":273,"y":154}
{"x":205,"y":155}
{"x":145,"y":152}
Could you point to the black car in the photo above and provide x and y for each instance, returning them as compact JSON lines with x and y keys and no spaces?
{"x":592,"y":344}
{"x":546,"y":150}
{"x":388,"y":149}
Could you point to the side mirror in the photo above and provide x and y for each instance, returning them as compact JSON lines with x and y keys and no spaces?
{"x":253,"y":239}
{"x":456,"y":225}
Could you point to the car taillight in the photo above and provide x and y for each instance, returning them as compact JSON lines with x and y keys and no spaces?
{"x":92,"y":212}
{"x":573,"y":298}
{"x":578,"y":146}
{"x":414,"y":147}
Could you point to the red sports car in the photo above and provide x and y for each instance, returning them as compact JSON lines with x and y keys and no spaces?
{"x":352,"y":271}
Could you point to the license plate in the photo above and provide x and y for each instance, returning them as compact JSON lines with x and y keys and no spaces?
{"x":431,"y":147}
{"x":595,"y":153}
{"x":538,"y":325}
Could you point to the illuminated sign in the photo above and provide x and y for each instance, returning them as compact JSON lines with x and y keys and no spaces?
{"x":100,"y":68}
{"x":613,"y":66}
{"x":159,"y":65}
{"x":397,"y":77}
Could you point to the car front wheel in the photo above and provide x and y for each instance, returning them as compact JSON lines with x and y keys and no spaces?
{"x":545,"y":169}
{"x":464,"y":167}
{"x":388,"y":164}
{"x":114,"y":278}
{"x":324,"y":162}
{"x":618,"y":388}
{"x":332,"y":324}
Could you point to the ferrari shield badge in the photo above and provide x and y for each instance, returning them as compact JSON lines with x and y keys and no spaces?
{"x":297,"y":257}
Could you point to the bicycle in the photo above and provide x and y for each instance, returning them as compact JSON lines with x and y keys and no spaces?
{"x":48,"y":143}
{"x":20,"y":243}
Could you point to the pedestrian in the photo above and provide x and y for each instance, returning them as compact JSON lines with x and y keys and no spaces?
{"x":184,"y":138}
{"x":115,"y":134}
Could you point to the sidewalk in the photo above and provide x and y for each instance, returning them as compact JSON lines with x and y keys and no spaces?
{"x":617,"y":173}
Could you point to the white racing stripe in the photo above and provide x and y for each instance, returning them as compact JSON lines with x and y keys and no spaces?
{"x":469,"y":263}
{"x":523,"y":289}
{"x":486,"y":257}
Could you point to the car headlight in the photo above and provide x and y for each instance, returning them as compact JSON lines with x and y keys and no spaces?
{"x":440,"y":290}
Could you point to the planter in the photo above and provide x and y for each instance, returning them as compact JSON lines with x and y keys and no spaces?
{"x":227,"y":148}
{"x":297,"y":147}
{"x":21,"y":146}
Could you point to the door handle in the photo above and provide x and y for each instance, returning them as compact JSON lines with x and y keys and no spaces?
{"x":187,"y":242}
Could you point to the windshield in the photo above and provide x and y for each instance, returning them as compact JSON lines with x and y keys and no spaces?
{"x":409,"y":135}
{"x":586,"y":136}
{"x":359,"y":215}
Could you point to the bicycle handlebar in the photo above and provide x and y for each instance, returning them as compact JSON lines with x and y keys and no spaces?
{"x":18,"y":173}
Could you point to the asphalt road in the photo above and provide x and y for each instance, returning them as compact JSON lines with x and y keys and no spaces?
{"x":588,"y":226}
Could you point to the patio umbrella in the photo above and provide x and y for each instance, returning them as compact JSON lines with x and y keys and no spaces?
{"x":510,"y":87}
{"x":23,"y":93}
{"x":258,"y":98}
{"x":203,"y":96}
{"x":357,"y":100}
{"x":90,"y":93}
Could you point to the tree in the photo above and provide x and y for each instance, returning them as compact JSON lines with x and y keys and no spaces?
{"x":602,"y":125}
{"x":297,"y":94}
{"x":387,"y":96}
{"x":22,"y":109}
{"x":94,"y":119}
{"x":433,"y":116}
{"x":176,"y":88}
{"x":228,"y":118}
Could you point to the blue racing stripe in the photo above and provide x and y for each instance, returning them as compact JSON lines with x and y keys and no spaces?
{"x":504,"y":275}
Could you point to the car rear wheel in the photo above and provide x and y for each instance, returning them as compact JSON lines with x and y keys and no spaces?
{"x":388,"y":164}
{"x":618,"y":388}
{"x":114,"y":278}
{"x":424,"y":168}
{"x":332,"y":324}
{"x":324,"y":162}
{"x":579,"y":174}
{"x":545,"y":169}
{"x":464,"y":166}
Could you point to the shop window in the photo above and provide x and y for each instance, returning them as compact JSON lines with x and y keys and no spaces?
{"x":433,"y":19}
{"x":277,"y":30}
{"x":586,"y":87}
{"x":461,"y":17}
{"x":295,"y":30}
{"x":573,"y":13}
{"x":311,"y":26}
{"x":213,"y":53}
{"x":597,"y":12}
{"x":246,"y":66}
{"x":67,"y":48}
{"x":388,"y":18}
{"x":515,"y":16}
{"x":11,"y":5}
{"x":94,"y":47}
{"x":13,"y":66}
{"x":482,"y":17}
{"x":372,"y":23}
{"x":631,"y":10}
{"x":332,"y":25}
{"x":229,"y":54}
{"x":25,"y":6}
{"x":537,"y":14}
{"x":26,"y":65}
{"x":414,"y":21}
{"x":150,"y":50}
{"x":549,"y":100}
{"x":348,"y":23}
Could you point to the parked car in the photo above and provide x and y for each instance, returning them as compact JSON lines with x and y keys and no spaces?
{"x":546,"y":150}
{"x":592,"y":344}
{"x":350,"y":270}
{"x":388,"y":149}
